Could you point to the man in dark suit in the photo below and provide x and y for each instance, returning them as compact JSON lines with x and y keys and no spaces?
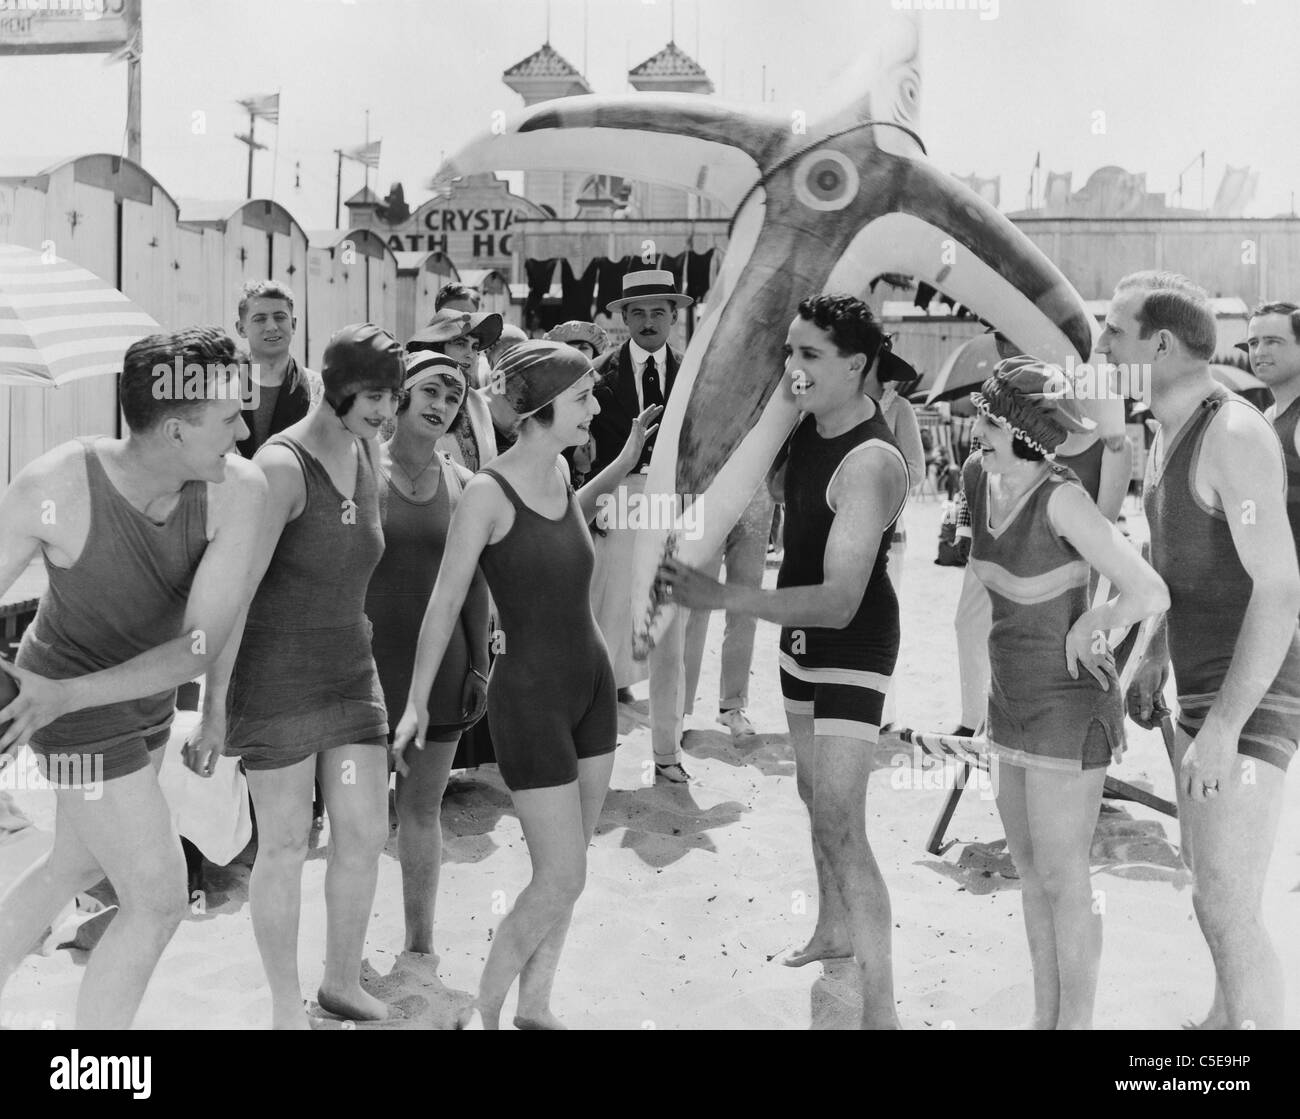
{"x":636,"y":375}
{"x":642,"y":370}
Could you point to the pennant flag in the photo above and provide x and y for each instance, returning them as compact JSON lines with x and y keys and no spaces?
{"x":366,"y":153}
{"x":266,"y":107}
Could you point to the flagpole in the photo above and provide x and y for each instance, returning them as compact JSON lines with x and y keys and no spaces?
{"x":133,"y":107}
{"x":275,"y":151}
{"x":338,"y":190}
{"x":252,"y":124}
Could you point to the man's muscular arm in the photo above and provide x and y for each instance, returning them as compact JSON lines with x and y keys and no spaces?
{"x":215,"y":601}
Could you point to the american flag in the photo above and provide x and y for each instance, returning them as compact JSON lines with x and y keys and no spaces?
{"x":267,"y":107}
{"x":366,"y":153}
{"x":59,"y":322}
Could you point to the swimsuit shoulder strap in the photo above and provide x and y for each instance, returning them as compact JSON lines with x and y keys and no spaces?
{"x":506,"y":487}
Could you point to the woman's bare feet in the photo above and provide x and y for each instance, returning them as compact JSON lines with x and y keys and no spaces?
{"x":824,"y":945}
{"x":543,"y":1021}
{"x":471,"y":1018}
{"x":290,"y":1016}
{"x":354,"y":1005}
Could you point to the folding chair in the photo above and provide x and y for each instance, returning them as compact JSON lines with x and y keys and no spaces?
{"x":971,"y":752}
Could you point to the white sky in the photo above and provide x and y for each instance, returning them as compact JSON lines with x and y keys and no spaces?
{"x":1173,"y":77}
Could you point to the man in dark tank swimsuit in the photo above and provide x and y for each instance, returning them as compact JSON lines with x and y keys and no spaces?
{"x":845,"y":484}
{"x":1215,"y":499}
{"x":166,"y":518}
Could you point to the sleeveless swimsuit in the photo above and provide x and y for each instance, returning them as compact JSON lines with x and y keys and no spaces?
{"x":1285,"y":426}
{"x":1087,"y":467}
{"x":1193,"y":552}
{"x":125,"y":595}
{"x":1039,"y":717}
{"x":551,"y":699}
{"x":838,"y":676}
{"x":415,"y":537}
{"x":304,"y":680}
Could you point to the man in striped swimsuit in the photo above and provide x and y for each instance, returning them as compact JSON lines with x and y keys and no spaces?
{"x":1215,"y":499}
{"x":844,"y":484}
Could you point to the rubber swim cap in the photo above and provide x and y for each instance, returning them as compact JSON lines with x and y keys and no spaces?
{"x":532,"y":374}
{"x":1031,"y":399}
{"x":359,"y":358}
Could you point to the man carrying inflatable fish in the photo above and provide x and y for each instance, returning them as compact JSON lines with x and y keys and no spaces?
{"x":844,"y":482}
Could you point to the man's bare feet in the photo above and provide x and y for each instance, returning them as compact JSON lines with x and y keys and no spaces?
{"x":822,"y":946}
{"x":543,"y":1021}
{"x":354,"y":1005}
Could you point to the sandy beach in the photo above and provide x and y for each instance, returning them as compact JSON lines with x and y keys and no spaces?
{"x":693,"y":891}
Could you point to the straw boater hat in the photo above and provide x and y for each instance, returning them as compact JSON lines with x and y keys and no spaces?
{"x":1031,"y":400}
{"x":654,"y":283}
{"x":448,"y":325}
{"x":578,"y":331}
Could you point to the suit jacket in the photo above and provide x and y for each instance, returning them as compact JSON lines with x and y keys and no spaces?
{"x":616,"y":394}
{"x":298,"y":391}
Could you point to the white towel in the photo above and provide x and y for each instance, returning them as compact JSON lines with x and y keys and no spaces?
{"x":211,"y":812}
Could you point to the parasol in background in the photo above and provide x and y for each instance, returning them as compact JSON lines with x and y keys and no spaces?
{"x":60,"y":322}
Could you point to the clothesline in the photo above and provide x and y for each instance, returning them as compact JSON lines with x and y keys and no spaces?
{"x":585,"y":295}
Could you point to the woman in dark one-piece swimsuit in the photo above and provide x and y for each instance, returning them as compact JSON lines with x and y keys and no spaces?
{"x":551,"y":700}
{"x":419,"y":490}
{"x":304,"y":701}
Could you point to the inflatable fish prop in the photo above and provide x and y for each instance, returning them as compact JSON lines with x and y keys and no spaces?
{"x":820,"y":204}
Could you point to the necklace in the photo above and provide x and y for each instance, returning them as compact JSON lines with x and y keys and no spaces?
{"x":413,"y":478}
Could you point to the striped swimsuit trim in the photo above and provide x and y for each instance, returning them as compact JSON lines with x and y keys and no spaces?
{"x":907,"y":474}
{"x":1027,"y":760}
{"x":1255,"y":742}
{"x":1031,"y":590}
{"x":843,"y":702}
{"x":852,"y":677}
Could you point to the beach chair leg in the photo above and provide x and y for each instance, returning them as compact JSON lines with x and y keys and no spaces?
{"x":1121,"y":790}
{"x":934,"y":845}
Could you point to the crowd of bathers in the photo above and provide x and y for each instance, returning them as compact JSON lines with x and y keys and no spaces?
{"x":405,"y":563}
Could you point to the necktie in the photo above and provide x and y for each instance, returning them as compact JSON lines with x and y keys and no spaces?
{"x":651,"y":392}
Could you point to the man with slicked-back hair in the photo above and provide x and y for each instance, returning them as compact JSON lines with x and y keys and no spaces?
{"x":146,"y":542}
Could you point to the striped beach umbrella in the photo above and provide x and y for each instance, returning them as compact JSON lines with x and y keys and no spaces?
{"x":60,"y":322}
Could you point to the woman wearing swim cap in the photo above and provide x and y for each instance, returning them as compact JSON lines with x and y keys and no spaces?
{"x":419,"y":490}
{"x":302,"y":696}
{"x":551,"y":702}
{"x":591,"y":341}
{"x":1052,"y":728}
